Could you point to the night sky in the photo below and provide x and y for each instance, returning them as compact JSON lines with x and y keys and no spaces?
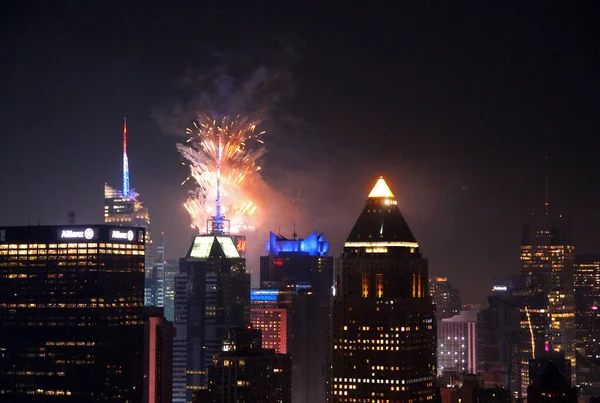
{"x":457,"y":106}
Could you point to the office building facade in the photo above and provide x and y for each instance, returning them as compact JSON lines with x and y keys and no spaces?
{"x":271,"y":312}
{"x":587,"y":306}
{"x":217,"y":299}
{"x":384,"y":340}
{"x":547,"y":256}
{"x":71,"y":313}
{"x":180,"y":324}
{"x":457,"y":344}
{"x":300,"y":272}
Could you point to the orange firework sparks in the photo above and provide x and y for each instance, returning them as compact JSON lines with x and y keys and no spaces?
{"x":241,"y":147}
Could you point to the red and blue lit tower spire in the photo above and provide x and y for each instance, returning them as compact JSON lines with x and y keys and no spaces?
{"x":218,"y":219}
{"x":125,"y":161}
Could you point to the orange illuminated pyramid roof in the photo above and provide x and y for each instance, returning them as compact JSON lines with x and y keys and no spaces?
{"x":381,"y":189}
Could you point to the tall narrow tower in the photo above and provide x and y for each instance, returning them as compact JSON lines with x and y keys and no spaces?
{"x":122,"y":207}
{"x":215,"y":299}
{"x":384,"y":341}
{"x":125,"y":161}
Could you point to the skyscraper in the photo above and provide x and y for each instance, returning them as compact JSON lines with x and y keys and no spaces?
{"x":301,"y":273}
{"x":587,"y":306}
{"x":547,"y":261}
{"x":289,"y":263}
{"x":71,"y":313}
{"x":217,"y":299}
{"x":445,"y":297}
{"x":121,"y":207}
{"x":180,"y":324}
{"x":384,"y":340}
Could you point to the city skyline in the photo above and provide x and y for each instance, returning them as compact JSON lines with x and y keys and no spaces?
{"x":461,"y":131}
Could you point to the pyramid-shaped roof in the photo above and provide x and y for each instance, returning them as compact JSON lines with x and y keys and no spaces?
{"x":205,"y":246}
{"x":381,"y":221}
{"x":381,"y":189}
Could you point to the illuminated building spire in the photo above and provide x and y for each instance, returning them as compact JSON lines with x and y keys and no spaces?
{"x":125,"y":161}
{"x":218,"y":219}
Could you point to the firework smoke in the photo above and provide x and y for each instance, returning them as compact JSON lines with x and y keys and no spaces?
{"x":241,"y":186}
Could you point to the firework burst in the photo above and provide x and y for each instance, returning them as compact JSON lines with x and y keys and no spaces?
{"x":241,"y":147}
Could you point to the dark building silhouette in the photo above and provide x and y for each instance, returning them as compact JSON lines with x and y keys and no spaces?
{"x":498,"y":337}
{"x":71,"y":313}
{"x":384,"y":340}
{"x":551,"y":382}
{"x":473,"y":390}
{"x":171,"y":270}
{"x":244,"y":372}
{"x":217,"y":299}
{"x":158,"y":357}
{"x":445,"y":297}
{"x":299,"y":275}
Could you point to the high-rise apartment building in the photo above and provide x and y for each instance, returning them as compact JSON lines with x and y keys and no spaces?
{"x":587,"y":306}
{"x":384,"y":337}
{"x":445,"y":297}
{"x":71,"y":313}
{"x":457,"y":344}
{"x":217,"y":299}
{"x":122,"y":207}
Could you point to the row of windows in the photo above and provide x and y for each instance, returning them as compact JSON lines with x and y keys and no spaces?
{"x":71,"y":245}
{"x":82,"y":253}
{"x":64,"y":305}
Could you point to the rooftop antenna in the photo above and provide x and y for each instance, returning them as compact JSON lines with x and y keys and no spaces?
{"x":546,"y":203}
{"x":218,"y":219}
{"x":71,"y":216}
{"x":294,"y":234}
{"x":125,"y":160}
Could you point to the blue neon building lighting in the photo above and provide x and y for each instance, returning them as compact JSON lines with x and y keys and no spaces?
{"x":312,"y":245}
{"x":264,"y":295}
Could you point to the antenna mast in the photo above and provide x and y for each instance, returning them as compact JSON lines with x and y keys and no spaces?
{"x":546,"y":203}
{"x":125,"y":161}
{"x":218,"y":218}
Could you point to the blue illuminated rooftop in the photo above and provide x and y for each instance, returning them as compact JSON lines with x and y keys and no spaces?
{"x":312,"y":245}
{"x":264,"y":295}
